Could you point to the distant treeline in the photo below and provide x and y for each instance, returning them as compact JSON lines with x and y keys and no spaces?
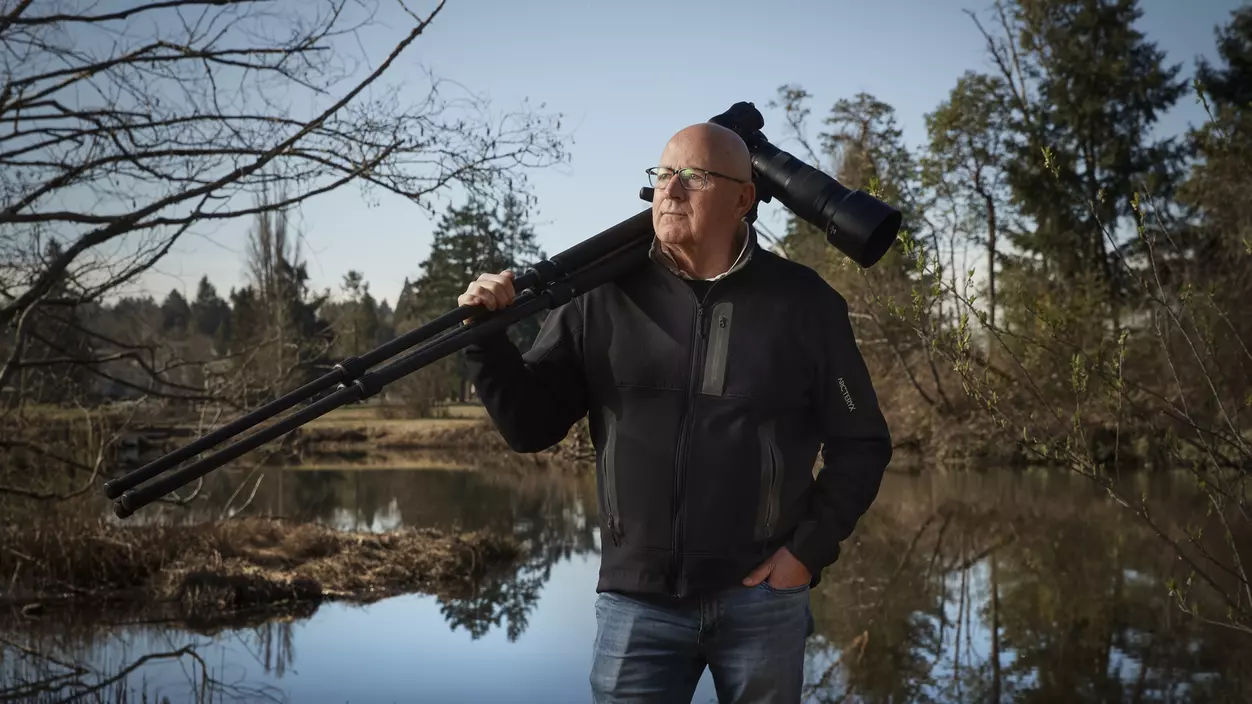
{"x":275,"y":331}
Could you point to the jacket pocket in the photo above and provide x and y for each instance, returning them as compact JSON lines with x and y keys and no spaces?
{"x":608,"y":479}
{"x":714,"y":380}
{"x":783,"y":590}
{"x":771,"y":483}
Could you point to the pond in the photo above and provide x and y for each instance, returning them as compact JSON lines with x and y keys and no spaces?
{"x":956,"y":587}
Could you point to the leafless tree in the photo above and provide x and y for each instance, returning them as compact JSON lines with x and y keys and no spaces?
{"x":123,"y":130}
{"x":126,"y":126}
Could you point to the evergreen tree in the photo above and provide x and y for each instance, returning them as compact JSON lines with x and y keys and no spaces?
{"x":386,"y":322}
{"x":516,"y":249}
{"x":210,"y":315}
{"x":1094,"y":88}
{"x":1230,"y":87}
{"x":355,"y":319}
{"x":175,"y":314}
{"x":406,"y":315}
{"x":1084,"y":91}
{"x":470,"y":239}
{"x":1213,"y":272}
{"x":868,"y":147}
{"x":865,"y":150}
{"x":134,"y":320}
{"x":368,"y":324}
{"x":1219,"y":186}
{"x":55,"y":332}
{"x":247,"y":319}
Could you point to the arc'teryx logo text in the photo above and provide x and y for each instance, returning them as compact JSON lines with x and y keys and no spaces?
{"x":847,"y":395}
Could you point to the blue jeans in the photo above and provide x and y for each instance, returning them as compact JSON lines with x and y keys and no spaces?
{"x":655,"y":649}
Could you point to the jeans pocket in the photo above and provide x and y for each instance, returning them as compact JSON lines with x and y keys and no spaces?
{"x":784,"y":590}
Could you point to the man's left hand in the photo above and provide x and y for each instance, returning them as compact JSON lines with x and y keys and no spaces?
{"x":782,"y":569}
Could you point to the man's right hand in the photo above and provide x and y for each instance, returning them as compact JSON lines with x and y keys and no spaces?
{"x":491,"y":291}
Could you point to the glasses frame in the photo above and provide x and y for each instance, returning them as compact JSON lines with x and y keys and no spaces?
{"x":653,"y":176}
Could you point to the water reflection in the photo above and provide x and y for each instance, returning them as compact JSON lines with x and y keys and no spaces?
{"x":999,"y":587}
{"x":996,"y":587}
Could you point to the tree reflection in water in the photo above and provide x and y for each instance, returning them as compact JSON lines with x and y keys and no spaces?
{"x":544,"y":508}
{"x":954,"y":588}
{"x":73,"y":659}
{"x":548,"y":518}
{"x":1003,"y":588}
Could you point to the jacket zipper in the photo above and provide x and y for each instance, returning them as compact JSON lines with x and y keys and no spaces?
{"x":608,"y":505}
{"x":773,"y":484}
{"x":610,"y":486}
{"x":697,"y":353}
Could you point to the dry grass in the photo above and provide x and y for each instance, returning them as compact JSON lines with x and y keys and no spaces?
{"x":419,"y":425}
{"x":373,"y":412}
{"x":214,"y":569}
{"x":393,"y":432}
{"x":414,"y":460}
{"x":362,"y":427}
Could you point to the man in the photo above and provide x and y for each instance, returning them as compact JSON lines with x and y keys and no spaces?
{"x":710,"y":377}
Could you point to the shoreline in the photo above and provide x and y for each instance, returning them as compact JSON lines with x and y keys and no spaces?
{"x":360,"y":433}
{"x":214,"y":571}
{"x":212,"y":574}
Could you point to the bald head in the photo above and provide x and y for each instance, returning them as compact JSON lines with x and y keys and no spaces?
{"x":701,"y":216}
{"x":725,"y":151}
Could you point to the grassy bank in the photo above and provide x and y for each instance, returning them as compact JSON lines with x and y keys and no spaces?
{"x":370,"y":432}
{"x":372,"y":428}
{"x":214,"y":571}
{"x":67,"y":552}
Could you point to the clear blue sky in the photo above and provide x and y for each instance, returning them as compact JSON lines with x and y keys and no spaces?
{"x":626,"y":76}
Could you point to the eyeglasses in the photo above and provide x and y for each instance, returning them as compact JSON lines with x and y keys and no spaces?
{"x":691,"y":178}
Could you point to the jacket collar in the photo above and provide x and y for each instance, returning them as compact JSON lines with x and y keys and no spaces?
{"x":660,"y":256}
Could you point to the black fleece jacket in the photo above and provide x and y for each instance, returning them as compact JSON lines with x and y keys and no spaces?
{"x":707,"y":417}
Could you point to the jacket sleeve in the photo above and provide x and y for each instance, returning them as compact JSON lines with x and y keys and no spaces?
{"x":535,"y":398}
{"x":856,"y":444}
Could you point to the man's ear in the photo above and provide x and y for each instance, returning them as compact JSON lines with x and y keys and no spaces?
{"x":747,"y":196}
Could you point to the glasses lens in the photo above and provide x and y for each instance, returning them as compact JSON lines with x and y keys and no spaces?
{"x":692,"y":179}
{"x":658,"y":177}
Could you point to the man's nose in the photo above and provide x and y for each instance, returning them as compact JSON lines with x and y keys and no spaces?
{"x":674,"y":188}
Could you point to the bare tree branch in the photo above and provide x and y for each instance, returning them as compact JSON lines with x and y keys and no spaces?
{"x":191,"y":117}
{"x":15,"y":355}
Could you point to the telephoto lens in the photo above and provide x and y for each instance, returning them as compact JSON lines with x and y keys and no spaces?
{"x":855,"y":222}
